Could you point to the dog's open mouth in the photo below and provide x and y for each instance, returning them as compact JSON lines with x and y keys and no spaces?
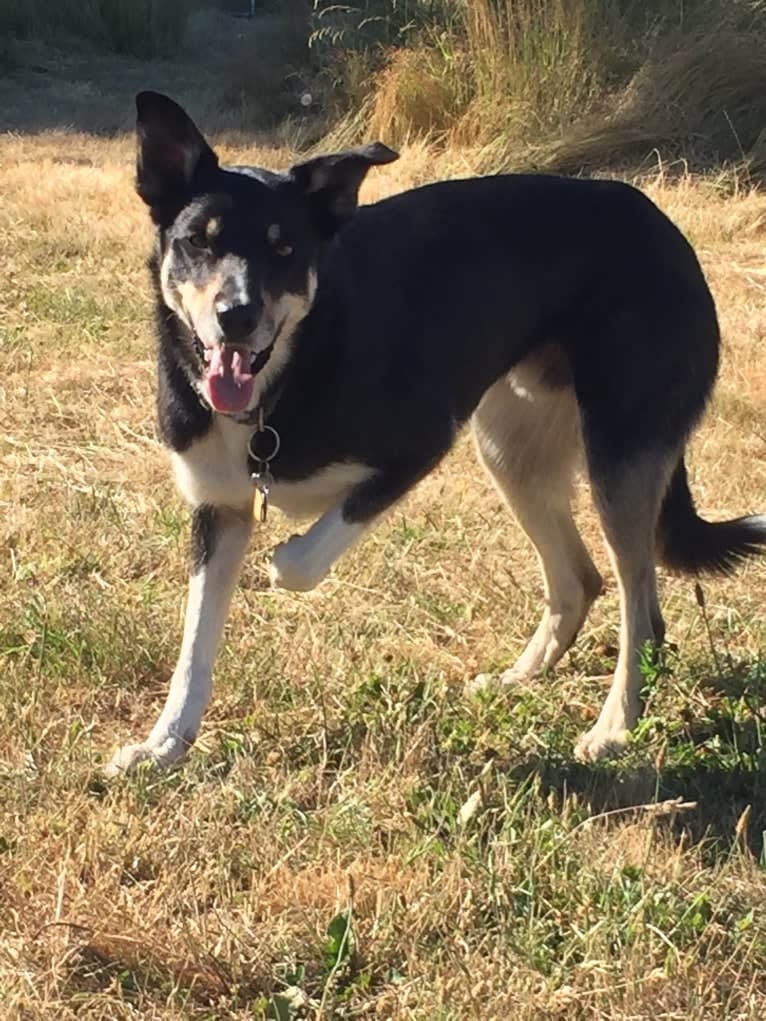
{"x":230,"y":376}
{"x":230,"y":372}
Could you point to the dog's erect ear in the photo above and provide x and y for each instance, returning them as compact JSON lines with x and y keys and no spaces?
{"x":332,"y":182}
{"x":171,"y":151}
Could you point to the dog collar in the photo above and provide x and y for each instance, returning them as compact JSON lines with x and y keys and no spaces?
{"x":263,"y":446}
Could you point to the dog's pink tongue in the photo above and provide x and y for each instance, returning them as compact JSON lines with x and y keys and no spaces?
{"x":229,"y":384}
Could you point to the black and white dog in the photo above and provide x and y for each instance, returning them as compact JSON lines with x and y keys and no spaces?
{"x":336,"y":352}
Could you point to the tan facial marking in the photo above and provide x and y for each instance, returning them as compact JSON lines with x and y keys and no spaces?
{"x":273,"y":233}
{"x":213,"y":228}
{"x":199,"y":301}
{"x":170,"y":288}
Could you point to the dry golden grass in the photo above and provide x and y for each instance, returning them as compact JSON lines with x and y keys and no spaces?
{"x":569,"y":85}
{"x":514,"y":68}
{"x":338,"y":751}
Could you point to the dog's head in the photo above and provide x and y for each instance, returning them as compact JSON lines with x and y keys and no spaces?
{"x":238,"y":248}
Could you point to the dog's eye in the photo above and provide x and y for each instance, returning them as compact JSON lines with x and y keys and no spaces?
{"x":284,"y":250}
{"x":198,"y":240}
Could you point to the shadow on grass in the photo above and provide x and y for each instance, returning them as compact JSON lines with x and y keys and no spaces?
{"x":721,"y":795}
{"x":74,"y":90}
{"x":48,"y":85}
{"x":712,"y":753}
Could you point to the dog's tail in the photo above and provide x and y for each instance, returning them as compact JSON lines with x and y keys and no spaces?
{"x":691,"y":545}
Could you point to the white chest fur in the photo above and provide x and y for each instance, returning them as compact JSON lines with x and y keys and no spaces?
{"x":214,"y":471}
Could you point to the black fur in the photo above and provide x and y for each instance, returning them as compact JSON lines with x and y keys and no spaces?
{"x":426,"y":299}
{"x":688,"y":544}
{"x":203,"y":537}
{"x":181,"y":416}
{"x":172,"y":157}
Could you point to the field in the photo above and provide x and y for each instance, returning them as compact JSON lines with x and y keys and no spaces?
{"x":351,"y":837}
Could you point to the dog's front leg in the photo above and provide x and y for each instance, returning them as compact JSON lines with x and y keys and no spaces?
{"x":219,"y":541}
{"x":303,"y":561}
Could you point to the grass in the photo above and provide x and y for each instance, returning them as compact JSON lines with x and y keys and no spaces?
{"x":563,"y":85}
{"x":143,"y":28}
{"x":504,"y":66}
{"x":351,"y":838}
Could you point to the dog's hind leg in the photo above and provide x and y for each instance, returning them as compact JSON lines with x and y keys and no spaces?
{"x":219,"y":542}
{"x":529,"y":442}
{"x":628,"y":497}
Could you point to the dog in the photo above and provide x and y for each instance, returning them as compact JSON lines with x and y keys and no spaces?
{"x":323,"y":357}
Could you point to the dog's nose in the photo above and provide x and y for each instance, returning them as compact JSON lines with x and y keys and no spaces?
{"x":237,"y":322}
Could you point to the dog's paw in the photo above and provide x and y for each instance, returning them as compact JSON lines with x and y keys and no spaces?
{"x":129,"y":757}
{"x":481,"y":682}
{"x":609,"y":735}
{"x":601,"y":742}
{"x":293,"y":567}
{"x":492,"y":682}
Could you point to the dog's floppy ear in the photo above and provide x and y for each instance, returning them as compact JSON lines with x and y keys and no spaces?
{"x":171,"y":152}
{"x":332,"y":182}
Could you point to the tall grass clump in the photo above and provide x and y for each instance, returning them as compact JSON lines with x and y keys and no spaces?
{"x":512,"y":66}
{"x":143,"y":28}
{"x":703,"y":102}
{"x":568,"y":84}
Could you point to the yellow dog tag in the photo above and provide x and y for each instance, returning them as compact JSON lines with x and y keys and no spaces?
{"x":262,"y":484}
{"x":260,"y":504}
